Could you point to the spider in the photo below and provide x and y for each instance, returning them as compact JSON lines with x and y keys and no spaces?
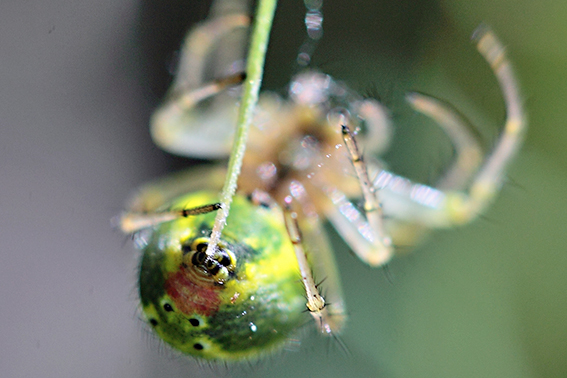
{"x":303,"y":166}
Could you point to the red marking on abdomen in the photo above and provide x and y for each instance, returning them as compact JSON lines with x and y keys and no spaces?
{"x":192,"y":297}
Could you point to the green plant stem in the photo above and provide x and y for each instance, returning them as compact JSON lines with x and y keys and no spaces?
{"x":254,"y":73}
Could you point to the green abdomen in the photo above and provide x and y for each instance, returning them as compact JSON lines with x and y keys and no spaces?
{"x":254,"y":309}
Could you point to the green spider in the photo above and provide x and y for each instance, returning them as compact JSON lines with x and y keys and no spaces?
{"x":302,"y":166}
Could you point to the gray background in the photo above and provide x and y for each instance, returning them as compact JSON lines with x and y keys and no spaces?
{"x":78,"y":80}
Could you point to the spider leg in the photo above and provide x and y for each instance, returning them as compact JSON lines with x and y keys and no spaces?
{"x":178,"y":125}
{"x":378,"y":125}
{"x":353,"y":227}
{"x":490,"y":178}
{"x":154,"y":195}
{"x":133,"y":222}
{"x":145,"y":208}
{"x":456,"y":206}
{"x":315,"y":258}
{"x":398,"y":211}
{"x":468,"y":151}
{"x":429,"y":207}
{"x":380,"y":251}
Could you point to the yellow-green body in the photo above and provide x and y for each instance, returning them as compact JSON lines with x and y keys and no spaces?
{"x":253,"y":311}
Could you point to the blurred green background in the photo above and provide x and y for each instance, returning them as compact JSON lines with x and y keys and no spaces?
{"x":78,"y":82}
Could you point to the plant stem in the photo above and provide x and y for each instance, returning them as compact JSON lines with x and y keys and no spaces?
{"x":254,"y":73}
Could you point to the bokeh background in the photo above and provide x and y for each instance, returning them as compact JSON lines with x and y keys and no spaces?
{"x":78,"y":81}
